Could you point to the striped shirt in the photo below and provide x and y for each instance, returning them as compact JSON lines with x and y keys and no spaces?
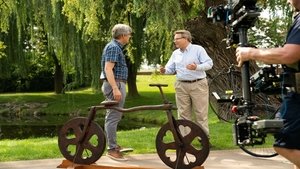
{"x":113,"y":52}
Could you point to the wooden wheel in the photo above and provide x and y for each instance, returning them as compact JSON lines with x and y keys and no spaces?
{"x":91,"y":146}
{"x":194,"y":150}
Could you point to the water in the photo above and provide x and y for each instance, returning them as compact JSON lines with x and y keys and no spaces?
{"x":21,"y":126}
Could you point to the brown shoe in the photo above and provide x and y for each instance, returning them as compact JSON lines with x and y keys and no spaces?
{"x":115,"y":154}
{"x":123,"y":149}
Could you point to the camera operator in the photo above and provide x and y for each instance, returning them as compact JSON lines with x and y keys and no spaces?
{"x":287,"y":141}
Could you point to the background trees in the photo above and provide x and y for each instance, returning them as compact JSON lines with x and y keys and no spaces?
{"x":62,"y":40}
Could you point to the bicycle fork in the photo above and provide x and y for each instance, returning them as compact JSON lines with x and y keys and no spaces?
{"x":85,"y":129}
{"x":178,"y":138}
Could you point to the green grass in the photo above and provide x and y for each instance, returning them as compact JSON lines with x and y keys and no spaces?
{"x":142,"y":140}
{"x":27,"y":149}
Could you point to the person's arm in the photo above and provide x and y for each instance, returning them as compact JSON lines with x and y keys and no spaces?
{"x":288,"y":54}
{"x":111,"y":80}
{"x":170,"y":67}
{"x":206,"y":62}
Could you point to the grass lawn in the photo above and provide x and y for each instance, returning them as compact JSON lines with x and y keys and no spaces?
{"x":142,"y":140}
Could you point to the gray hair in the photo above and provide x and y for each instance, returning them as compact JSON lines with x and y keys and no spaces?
{"x":185,"y":34}
{"x":120,"y":29}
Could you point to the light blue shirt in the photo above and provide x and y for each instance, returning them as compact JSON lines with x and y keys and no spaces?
{"x":192,"y":54}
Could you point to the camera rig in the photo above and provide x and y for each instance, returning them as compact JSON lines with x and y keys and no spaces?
{"x":238,"y":16}
{"x":234,"y":15}
{"x":267,"y":81}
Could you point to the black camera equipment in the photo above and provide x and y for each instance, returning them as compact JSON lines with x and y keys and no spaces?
{"x":238,"y":16}
{"x":266,"y":81}
{"x":234,"y":15}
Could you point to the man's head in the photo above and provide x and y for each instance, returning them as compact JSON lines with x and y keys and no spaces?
{"x":182,"y":38}
{"x":122,"y":33}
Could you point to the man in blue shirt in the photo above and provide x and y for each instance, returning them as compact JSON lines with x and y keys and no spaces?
{"x":114,"y":72}
{"x":189,"y":62}
{"x":287,"y":141}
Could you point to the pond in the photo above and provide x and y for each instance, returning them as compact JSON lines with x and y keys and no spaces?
{"x":20,"y":126}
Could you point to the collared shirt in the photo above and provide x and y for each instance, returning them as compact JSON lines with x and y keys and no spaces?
{"x":180,"y":59}
{"x":113,"y":52}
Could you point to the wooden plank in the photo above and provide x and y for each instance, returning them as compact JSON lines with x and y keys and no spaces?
{"x":70,"y":165}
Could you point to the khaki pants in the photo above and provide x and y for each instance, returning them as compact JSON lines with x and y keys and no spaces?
{"x":193,"y":97}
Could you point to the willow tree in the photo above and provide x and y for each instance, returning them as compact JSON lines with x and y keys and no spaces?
{"x":40,"y":26}
{"x":2,"y":46}
{"x":153,"y":22}
{"x":76,"y":32}
{"x":11,"y":37}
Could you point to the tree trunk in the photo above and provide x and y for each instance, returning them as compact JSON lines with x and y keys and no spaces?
{"x":137,"y":43}
{"x":58,"y":75}
{"x":131,"y":80}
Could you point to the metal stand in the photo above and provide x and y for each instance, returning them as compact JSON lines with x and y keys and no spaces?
{"x":245,"y":72}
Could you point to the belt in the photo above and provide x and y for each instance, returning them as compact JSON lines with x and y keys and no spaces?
{"x":191,"y":81}
{"x":121,"y":80}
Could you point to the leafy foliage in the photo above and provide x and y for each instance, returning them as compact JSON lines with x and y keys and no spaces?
{"x":70,"y":34}
{"x":2,"y":48}
{"x":271,"y":29}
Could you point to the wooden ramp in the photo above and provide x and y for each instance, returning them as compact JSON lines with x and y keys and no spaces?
{"x":70,"y":165}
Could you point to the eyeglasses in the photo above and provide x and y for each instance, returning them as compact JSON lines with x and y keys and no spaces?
{"x":175,"y":39}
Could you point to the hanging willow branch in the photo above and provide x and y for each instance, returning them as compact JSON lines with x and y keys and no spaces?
{"x":3,"y":2}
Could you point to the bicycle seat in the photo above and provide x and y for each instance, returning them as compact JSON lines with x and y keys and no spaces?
{"x":158,"y":84}
{"x":109,"y":103}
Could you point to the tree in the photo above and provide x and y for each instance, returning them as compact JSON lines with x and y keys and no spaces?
{"x":152,"y":22}
{"x":58,"y":40}
{"x":73,"y":33}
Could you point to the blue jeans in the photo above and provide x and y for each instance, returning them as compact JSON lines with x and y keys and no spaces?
{"x":289,"y":135}
{"x":113,"y":117}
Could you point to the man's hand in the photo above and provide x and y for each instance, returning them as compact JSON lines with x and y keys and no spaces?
{"x":117,"y":94}
{"x":242,"y":54}
{"x":192,"y":66}
{"x":162,"y":70}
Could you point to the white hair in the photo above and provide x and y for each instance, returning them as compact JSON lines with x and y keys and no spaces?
{"x":120,"y":29}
